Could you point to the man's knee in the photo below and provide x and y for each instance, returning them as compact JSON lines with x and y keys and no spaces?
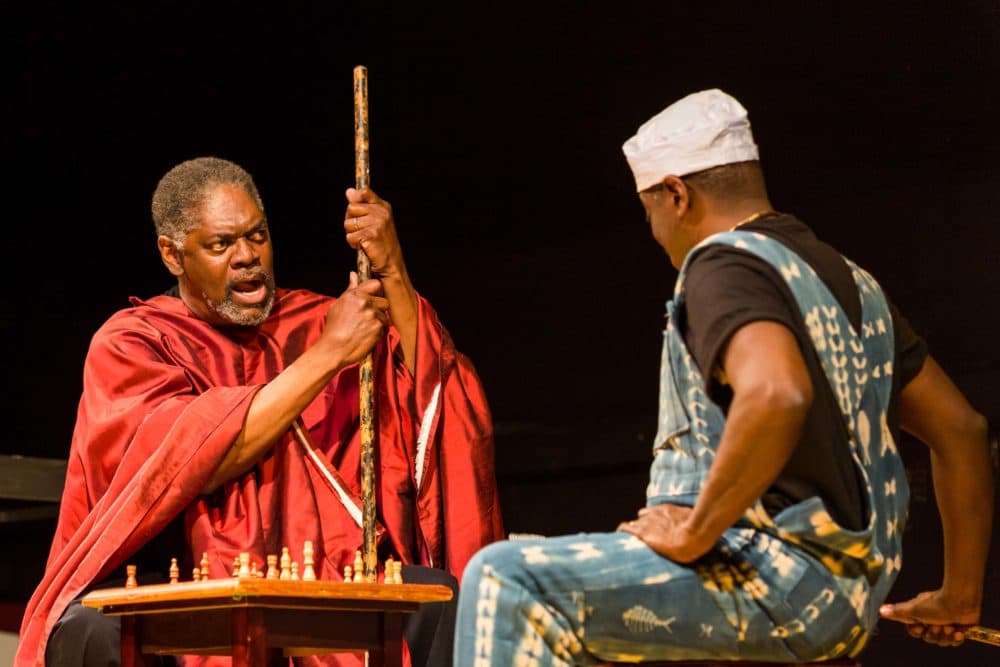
{"x":499,"y":558}
{"x":430,"y":631}
{"x":84,"y":637}
{"x":416,"y":574}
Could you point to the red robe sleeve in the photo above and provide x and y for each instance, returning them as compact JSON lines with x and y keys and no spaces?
{"x":458,"y":506}
{"x":144,"y":446}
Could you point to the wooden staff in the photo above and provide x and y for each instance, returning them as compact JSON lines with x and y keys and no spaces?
{"x":369,"y":557}
{"x":978,"y":633}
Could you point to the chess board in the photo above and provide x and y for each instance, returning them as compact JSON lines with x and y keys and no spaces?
{"x":255,"y":618}
{"x":253,"y":590}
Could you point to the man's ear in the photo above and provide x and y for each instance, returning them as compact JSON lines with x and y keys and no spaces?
{"x":171,"y":255}
{"x":679,"y":194}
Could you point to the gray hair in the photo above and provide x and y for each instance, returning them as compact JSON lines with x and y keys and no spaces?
{"x":184,"y":188}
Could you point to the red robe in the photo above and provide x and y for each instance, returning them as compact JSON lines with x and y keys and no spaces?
{"x":165,"y":395}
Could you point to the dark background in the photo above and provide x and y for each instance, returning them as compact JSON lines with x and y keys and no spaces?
{"x":496,"y":133}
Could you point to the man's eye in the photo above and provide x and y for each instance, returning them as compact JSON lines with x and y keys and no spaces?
{"x":259,"y":236}
{"x":217,"y":246}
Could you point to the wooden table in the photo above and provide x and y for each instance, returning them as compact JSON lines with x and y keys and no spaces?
{"x":261,"y":620}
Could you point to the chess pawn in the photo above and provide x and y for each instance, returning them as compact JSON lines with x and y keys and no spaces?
{"x":295,"y":570}
{"x":272,"y":566}
{"x":347,"y":574}
{"x":253,"y":569}
{"x":204,"y":566}
{"x":244,"y":564}
{"x":196,"y":575}
{"x":359,"y":567}
{"x":308,"y":573}
{"x":397,"y":574}
{"x":236,"y":566}
{"x":130,"y":580}
{"x":286,"y":565}
{"x":388,"y":576}
{"x":175,"y":572}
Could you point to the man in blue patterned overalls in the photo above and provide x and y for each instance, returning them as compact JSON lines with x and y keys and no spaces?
{"x":777,"y":497}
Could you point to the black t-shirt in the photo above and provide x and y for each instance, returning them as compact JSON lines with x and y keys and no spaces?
{"x":728,"y":288}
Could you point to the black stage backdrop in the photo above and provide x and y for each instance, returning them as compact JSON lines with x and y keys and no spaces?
{"x":496,"y":134}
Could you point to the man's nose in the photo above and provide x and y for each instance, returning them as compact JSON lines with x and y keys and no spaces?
{"x":244,"y":254}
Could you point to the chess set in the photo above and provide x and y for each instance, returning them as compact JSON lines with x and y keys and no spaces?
{"x":282,"y":569}
{"x":277,"y":579}
{"x":274,"y":606}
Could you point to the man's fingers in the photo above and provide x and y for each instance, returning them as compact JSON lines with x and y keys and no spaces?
{"x":915,"y":630}
{"x":943,"y":635}
{"x":632,"y":527}
{"x":363,"y":195}
{"x":352,"y":280}
{"x":357,"y":211}
{"x":371,"y":286}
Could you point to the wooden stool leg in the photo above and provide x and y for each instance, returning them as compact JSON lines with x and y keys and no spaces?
{"x":249,"y":638}
{"x":391,"y":652}
{"x":130,"y":643}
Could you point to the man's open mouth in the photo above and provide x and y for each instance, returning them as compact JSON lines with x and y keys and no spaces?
{"x":250,"y":291}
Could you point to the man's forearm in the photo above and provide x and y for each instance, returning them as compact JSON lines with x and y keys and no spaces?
{"x":772,"y":394}
{"x":404,"y":311}
{"x":761,"y":432}
{"x":963,"y":487}
{"x":272,"y":412}
{"x":933,"y":409}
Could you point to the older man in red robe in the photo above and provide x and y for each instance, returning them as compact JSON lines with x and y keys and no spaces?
{"x":184,"y":439}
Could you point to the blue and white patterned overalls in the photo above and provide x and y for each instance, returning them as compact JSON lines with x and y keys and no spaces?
{"x":794,"y":587}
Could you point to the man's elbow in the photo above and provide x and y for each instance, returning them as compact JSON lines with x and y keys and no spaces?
{"x":977,"y":426}
{"x":792,"y":397}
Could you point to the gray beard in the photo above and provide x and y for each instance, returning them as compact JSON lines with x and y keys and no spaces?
{"x":242,"y":315}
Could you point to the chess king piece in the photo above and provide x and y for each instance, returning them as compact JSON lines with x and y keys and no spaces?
{"x":204,"y":565}
{"x":272,"y":566}
{"x":244,"y":564}
{"x":286,"y":565}
{"x":358,"y":567}
{"x":308,"y":572}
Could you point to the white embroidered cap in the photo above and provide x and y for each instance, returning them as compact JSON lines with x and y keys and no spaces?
{"x":703,"y":130}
